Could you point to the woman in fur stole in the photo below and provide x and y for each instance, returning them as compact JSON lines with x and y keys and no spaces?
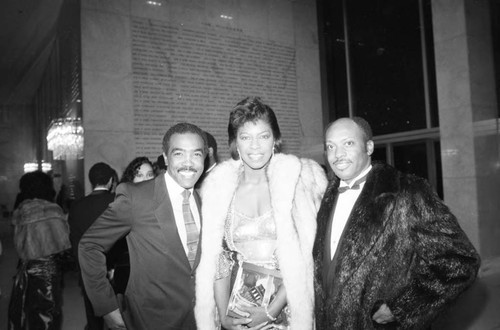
{"x":41,"y":237}
{"x":259,"y":208}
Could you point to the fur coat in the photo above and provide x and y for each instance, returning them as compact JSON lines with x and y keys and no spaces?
{"x":401,"y":246}
{"x":296,"y":188}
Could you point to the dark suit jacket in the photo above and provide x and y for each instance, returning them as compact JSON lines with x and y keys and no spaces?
{"x":401,"y":246}
{"x":160,"y":291}
{"x":84,"y":212}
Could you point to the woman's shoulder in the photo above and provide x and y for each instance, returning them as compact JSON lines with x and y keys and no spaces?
{"x":311,"y":173}
{"x":222,"y":174}
{"x":224,"y":168}
{"x":305,"y":164}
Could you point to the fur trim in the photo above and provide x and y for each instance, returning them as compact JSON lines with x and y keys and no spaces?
{"x":296,"y":188}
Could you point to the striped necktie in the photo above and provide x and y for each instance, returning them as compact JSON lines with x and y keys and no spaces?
{"x":191,"y":230}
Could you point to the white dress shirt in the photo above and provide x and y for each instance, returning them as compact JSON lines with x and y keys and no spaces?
{"x":343,"y":208}
{"x":175,"y":193}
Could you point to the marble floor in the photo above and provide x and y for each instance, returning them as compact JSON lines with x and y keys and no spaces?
{"x":477,"y":309}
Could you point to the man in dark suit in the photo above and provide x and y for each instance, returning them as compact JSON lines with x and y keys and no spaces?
{"x":388,"y":253}
{"x":161,"y":220}
{"x":82,"y":214}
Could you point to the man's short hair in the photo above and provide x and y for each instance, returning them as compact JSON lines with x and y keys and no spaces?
{"x":100,"y":173}
{"x":364,"y":126}
{"x":183,"y":128}
{"x":361,"y":123}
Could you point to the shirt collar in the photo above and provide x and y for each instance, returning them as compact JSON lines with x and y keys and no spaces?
{"x":211,"y":167}
{"x":360,"y":175}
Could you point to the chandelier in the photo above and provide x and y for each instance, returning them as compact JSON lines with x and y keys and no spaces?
{"x":35,"y":166}
{"x":65,"y":138}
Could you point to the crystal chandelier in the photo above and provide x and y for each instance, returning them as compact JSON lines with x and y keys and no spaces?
{"x":35,"y":166}
{"x":65,"y":138}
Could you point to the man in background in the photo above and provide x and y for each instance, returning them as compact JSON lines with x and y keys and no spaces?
{"x":82,"y":214}
{"x":212,"y":158}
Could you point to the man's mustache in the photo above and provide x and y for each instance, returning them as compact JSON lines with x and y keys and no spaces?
{"x":187,"y":168}
{"x":343,"y":160}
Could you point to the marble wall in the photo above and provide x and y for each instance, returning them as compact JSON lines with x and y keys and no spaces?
{"x":149,"y":64}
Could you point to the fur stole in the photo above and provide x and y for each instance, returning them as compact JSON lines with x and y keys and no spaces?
{"x":296,"y":188}
{"x":40,"y":229}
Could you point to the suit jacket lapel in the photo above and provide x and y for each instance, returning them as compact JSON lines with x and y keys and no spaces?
{"x":328,"y":263}
{"x":361,"y":233}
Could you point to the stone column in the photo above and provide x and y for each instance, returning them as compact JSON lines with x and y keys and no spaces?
{"x":468,"y":118}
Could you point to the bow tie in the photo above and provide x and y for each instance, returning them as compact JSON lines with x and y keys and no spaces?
{"x":355,"y":186}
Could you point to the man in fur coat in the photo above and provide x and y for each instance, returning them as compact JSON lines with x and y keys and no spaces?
{"x":388,"y":253}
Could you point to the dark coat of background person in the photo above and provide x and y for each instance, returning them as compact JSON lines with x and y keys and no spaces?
{"x":401,"y":246}
{"x":82,"y":214}
{"x":143,"y":212}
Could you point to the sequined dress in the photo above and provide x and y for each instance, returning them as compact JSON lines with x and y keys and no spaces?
{"x":251,"y":240}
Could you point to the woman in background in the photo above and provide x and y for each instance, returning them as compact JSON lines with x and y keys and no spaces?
{"x":41,"y":235}
{"x":259,"y":208}
{"x":139,"y":169}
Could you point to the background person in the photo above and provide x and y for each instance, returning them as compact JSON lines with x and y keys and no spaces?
{"x":261,"y":206}
{"x":159,"y":165}
{"x":41,"y":235}
{"x":211,"y":160}
{"x":138,"y":170}
{"x":388,"y":253}
{"x":82,"y":214}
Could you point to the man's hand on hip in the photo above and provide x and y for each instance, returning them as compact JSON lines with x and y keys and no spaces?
{"x":114,"y":320}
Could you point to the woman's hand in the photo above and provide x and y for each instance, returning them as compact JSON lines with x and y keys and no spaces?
{"x":231,"y":323}
{"x":257,"y":315}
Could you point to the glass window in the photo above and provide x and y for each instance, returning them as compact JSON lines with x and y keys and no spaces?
{"x":377,"y":58}
{"x":421,"y":158}
{"x":411,"y":158}
{"x":376,"y":63}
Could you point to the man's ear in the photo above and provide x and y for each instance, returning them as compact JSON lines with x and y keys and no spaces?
{"x":165,"y":158}
{"x":369,"y":147}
